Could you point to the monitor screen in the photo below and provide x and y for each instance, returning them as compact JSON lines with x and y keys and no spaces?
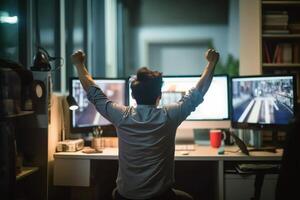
{"x":215,"y":104}
{"x":86,"y":115}
{"x":263,"y":100}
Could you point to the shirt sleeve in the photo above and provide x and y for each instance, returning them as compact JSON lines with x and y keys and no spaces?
{"x":112,"y":111}
{"x":179,"y":111}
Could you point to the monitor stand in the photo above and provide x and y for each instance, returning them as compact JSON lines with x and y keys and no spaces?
{"x":249,"y":136}
{"x":185,"y":136}
{"x":256,"y":140}
{"x":271,"y":148}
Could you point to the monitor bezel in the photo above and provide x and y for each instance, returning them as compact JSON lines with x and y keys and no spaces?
{"x":108,"y":129}
{"x":197,"y":76}
{"x":260,"y":126}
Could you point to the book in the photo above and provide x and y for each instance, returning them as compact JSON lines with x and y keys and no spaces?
{"x":275,"y":27}
{"x":275,"y":12}
{"x":270,"y":31}
{"x":283,"y":53}
{"x":266,"y":53}
{"x":275,"y":18}
{"x":275,"y":22}
{"x":275,"y":56}
{"x":287,"y":55}
{"x":296,"y":53}
{"x":279,"y":54}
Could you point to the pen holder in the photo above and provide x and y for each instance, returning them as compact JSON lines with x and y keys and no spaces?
{"x":97,"y":139}
{"x":97,"y":143}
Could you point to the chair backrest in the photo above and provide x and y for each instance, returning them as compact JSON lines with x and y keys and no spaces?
{"x":290,"y":167}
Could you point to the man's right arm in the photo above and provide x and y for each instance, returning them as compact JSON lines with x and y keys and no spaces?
{"x":85,"y":78}
{"x":110,"y":110}
{"x":182,"y":109}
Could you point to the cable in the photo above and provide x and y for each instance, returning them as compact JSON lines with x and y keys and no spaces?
{"x":61,"y":64}
{"x":228,"y":151}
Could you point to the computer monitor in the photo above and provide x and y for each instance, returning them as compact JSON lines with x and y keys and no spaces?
{"x":215,"y":105}
{"x":266,"y":102}
{"x":86,"y":117}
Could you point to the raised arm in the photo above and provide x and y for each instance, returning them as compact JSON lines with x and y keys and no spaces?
{"x":182,"y":109}
{"x":205,"y":80}
{"x":108,"y":109}
{"x":85,"y":78}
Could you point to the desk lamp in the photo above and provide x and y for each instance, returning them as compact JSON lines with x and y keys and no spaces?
{"x":72,"y":103}
{"x":72,"y":106}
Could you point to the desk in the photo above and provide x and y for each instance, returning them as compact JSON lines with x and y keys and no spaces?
{"x":73,"y":168}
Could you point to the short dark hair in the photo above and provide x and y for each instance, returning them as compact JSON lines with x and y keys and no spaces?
{"x":146,"y":87}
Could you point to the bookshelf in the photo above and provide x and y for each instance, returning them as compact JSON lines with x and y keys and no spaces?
{"x":270,"y":2}
{"x":24,"y":144}
{"x":23,"y":113}
{"x":280,"y":38}
{"x":281,"y":65}
{"x":283,"y":36}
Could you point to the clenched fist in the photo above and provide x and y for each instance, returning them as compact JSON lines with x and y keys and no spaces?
{"x":212,"y":56}
{"x":78,"y":57}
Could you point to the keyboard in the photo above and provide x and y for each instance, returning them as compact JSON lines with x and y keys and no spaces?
{"x":184,"y":147}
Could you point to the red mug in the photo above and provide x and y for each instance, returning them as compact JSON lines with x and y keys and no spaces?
{"x":216,"y":137}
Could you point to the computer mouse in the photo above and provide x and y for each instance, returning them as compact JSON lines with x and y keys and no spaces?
{"x":185,"y":153}
{"x":221,"y":151}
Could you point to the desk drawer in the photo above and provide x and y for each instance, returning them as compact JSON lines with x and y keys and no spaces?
{"x":72,"y":172}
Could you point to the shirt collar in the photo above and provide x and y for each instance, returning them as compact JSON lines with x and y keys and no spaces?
{"x":145,"y":106}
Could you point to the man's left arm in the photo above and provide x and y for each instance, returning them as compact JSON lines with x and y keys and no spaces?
{"x":182,"y":109}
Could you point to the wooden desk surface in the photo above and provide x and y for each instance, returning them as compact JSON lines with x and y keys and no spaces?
{"x":205,"y":153}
